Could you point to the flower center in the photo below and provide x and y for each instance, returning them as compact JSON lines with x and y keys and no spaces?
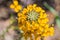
{"x":32,"y":16}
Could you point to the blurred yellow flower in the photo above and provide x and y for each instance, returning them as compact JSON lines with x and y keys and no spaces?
{"x":16,"y":6}
{"x":34,"y":20}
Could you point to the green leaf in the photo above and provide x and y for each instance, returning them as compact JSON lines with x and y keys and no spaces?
{"x":58,"y":21}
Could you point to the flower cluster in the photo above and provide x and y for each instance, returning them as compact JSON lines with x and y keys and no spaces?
{"x":34,"y":20}
{"x":16,"y":6}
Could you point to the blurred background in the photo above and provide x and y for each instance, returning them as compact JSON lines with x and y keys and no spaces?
{"x":8,"y":18}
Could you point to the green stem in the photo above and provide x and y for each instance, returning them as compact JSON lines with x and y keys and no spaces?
{"x":55,"y":13}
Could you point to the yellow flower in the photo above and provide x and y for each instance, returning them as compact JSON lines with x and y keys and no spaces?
{"x":35,"y":21}
{"x":16,"y":6}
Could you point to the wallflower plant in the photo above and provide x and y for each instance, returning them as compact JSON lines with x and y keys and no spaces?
{"x":33,"y":21}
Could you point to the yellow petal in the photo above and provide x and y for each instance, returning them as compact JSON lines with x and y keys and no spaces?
{"x":19,"y":7}
{"x":15,"y":3}
{"x":12,"y":6}
{"x":16,"y":10}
